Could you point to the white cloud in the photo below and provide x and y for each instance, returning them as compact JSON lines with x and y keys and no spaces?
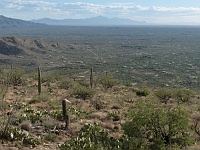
{"x":28,"y":5}
{"x":14,"y":6}
{"x":177,"y":9}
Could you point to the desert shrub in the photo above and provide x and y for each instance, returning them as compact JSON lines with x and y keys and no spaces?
{"x":50,"y":125}
{"x":97,"y":104}
{"x":108,"y":81}
{"x":14,"y":77}
{"x":32,"y":115}
{"x":115,"y":115}
{"x":128,"y":84}
{"x":130,"y":143}
{"x":54,"y":104}
{"x":51,"y":137}
{"x":142,"y":91}
{"x":47,"y":77}
{"x":196,"y":124}
{"x":40,"y":98}
{"x":6,"y":116}
{"x":15,"y":134}
{"x":66,"y":84}
{"x":164,"y":95}
{"x":83,"y":92}
{"x":152,"y":127}
{"x":83,"y":82}
{"x":56,"y":114}
{"x":3,"y":92}
{"x":8,"y":133}
{"x":183,"y":95}
{"x":91,"y":137}
{"x":50,"y":77}
{"x":26,"y":125}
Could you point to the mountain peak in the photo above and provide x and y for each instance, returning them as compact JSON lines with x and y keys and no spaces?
{"x":100,"y":17}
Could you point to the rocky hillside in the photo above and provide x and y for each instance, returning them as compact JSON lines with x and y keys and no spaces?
{"x":17,"y":46}
{"x":15,"y":50}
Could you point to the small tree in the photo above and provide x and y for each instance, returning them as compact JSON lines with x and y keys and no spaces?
{"x":157,"y":127}
{"x":14,"y":77}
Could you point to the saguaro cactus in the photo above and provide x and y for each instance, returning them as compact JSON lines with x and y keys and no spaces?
{"x":39,"y":81}
{"x":65,"y":115}
{"x":91,"y":77}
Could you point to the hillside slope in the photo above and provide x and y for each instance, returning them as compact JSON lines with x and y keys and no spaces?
{"x":6,"y":22}
{"x":25,"y":52}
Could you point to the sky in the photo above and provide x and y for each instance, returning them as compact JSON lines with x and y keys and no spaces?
{"x":151,"y":11}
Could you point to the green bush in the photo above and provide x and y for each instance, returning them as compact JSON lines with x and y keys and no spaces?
{"x":83,"y":92}
{"x":15,"y":134}
{"x":50,"y":77}
{"x":91,"y":137}
{"x":66,"y":84}
{"x":164,"y":95}
{"x":131,"y":143}
{"x":143,"y":91}
{"x":152,"y":127}
{"x":56,"y":114}
{"x":14,"y":77}
{"x":83,"y":82}
{"x":108,"y":81}
{"x":32,"y":115}
{"x":183,"y":95}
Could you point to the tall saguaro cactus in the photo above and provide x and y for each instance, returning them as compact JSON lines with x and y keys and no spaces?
{"x":91,"y":77}
{"x":65,"y":115}
{"x":39,"y":81}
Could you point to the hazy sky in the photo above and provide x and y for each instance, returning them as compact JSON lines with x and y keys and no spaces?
{"x":151,"y":11}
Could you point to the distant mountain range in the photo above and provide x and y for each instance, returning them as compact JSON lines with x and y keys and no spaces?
{"x":94,"y":21}
{"x":6,"y":22}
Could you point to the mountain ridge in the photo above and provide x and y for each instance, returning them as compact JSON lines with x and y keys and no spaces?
{"x":6,"y":22}
{"x":93,"y":21}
